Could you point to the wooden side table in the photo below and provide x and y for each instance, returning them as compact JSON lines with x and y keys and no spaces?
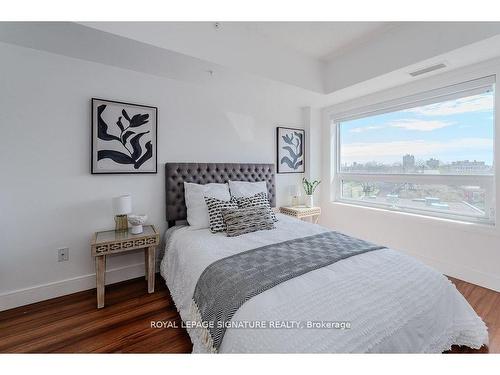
{"x":302,"y":212}
{"x":114,"y":242}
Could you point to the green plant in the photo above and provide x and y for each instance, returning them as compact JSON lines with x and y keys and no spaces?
{"x":309,"y":186}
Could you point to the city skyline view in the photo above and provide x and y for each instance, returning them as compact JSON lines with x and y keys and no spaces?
{"x":450,"y":131}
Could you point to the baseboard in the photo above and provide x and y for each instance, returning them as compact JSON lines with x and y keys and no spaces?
{"x":470,"y":275}
{"x":43,"y":292}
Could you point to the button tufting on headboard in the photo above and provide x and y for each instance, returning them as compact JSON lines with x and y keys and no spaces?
{"x":203,"y":173}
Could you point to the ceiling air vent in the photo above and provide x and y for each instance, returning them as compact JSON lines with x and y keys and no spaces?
{"x":427,"y":70}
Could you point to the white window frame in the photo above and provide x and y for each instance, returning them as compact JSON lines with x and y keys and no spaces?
{"x":428,"y":97}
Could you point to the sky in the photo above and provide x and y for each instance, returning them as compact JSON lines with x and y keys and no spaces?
{"x":458,"y":129}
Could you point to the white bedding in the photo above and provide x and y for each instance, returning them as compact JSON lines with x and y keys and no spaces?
{"x":393,"y":302}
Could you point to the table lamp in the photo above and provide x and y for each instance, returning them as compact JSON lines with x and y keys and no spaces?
{"x":122,"y":206}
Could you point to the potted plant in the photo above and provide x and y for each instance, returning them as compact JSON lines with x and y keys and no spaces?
{"x":309,"y":188}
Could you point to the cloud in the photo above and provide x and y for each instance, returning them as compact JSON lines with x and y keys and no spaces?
{"x":408,"y":124}
{"x":367,"y":128}
{"x":420,"y":125}
{"x":365,"y":151}
{"x":476,"y":103}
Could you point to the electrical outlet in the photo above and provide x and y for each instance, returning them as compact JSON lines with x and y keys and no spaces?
{"x":63,"y":254}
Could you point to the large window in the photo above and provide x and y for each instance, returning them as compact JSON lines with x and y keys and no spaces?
{"x":430,"y":154}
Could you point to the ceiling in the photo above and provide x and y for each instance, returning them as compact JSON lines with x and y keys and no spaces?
{"x":320,"y":40}
{"x":320,"y":57}
{"x":315,"y":40}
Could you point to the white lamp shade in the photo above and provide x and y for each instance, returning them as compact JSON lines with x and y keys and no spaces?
{"x":122,"y":205}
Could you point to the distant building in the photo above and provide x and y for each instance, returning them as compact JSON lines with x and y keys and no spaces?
{"x":409,"y":163}
{"x":432,"y":163}
{"x":468,"y":167}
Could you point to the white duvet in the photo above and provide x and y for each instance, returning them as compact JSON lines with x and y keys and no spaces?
{"x":392,"y":302}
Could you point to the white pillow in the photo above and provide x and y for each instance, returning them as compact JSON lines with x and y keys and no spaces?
{"x":197,"y":211}
{"x":243,"y":189}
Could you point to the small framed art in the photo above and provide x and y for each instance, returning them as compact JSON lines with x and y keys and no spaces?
{"x":290,"y":150}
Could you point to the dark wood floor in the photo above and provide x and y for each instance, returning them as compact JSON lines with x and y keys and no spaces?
{"x":486,"y":303}
{"x":72,"y":324}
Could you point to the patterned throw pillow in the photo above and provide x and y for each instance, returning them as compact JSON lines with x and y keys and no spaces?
{"x":245,"y":220}
{"x":257,"y":200}
{"x":215,"y":220}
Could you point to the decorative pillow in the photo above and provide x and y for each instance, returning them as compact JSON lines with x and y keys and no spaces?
{"x":257,"y":200}
{"x":215,"y":219}
{"x":245,"y":220}
{"x":197,"y":212}
{"x":240,"y":189}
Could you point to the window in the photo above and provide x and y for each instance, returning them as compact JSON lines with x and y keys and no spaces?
{"x":430,"y":154}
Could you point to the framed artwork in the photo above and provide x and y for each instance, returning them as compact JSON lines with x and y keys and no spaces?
{"x":290,"y":150}
{"x":124,"y":137}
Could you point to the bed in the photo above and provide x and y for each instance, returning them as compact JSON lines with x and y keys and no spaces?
{"x":380,"y":301}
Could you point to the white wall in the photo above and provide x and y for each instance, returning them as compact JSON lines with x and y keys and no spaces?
{"x":468,"y":251}
{"x":48,"y":197}
{"x":312,"y":124}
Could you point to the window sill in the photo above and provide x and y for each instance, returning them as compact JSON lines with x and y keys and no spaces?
{"x":477,"y":228}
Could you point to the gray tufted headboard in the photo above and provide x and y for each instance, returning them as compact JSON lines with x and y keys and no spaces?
{"x":203,"y":173}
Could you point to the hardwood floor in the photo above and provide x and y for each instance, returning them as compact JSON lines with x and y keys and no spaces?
{"x":486,"y":303}
{"x":72,"y":324}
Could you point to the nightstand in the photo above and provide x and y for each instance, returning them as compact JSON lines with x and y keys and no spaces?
{"x":302,"y":212}
{"x":114,"y":242}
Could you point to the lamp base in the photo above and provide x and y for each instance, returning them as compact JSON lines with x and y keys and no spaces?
{"x":121,"y":223}
{"x":136,"y":229}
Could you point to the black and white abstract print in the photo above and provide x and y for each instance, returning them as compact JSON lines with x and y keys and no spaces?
{"x":290,"y":150}
{"x":123,"y":137}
